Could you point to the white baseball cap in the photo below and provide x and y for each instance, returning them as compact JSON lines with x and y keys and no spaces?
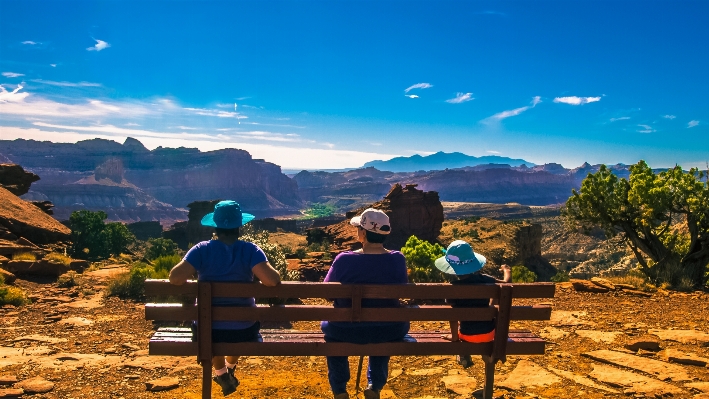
{"x":372,"y":220}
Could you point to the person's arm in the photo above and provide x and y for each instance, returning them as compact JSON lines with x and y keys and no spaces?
{"x":181,"y":272}
{"x":267,"y":274}
{"x":507,"y":274}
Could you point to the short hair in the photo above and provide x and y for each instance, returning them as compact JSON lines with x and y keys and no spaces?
{"x":227,"y":232}
{"x":375,"y":238}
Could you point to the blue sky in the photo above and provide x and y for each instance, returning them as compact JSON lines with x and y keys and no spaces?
{"x":333,"y":84}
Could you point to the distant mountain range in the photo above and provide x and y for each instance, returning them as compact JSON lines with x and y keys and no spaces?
{"x":441,"y":161}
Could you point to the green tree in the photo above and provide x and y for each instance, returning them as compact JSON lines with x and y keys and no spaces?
{"x":273,"y":252}
{"x":664,"y":218}
{"x":158,"y":247}
{"x":521,"y":274}
{"x":420,"y":257}
{"x":93,"y":239}
{"x":117,"y":238}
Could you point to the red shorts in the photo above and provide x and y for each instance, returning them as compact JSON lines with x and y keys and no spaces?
{"x":477,"y":338}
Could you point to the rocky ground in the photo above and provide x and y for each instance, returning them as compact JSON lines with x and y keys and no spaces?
{"x":75,"y":343}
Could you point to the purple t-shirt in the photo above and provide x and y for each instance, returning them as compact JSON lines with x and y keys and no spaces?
{"x":216,"y":261}
{"x":358,"y":268}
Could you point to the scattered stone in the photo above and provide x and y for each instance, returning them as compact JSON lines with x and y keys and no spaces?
{"x":701,"y":396}
{"x":110,"y":350}
{"x":7,"y":379}
{"x":162,"y":384}
{"x":601,"y":282}
{"x":395,"y":373}
{"x":569,"y":318}
{"x":683,"y":336}
{"x":11,"y":393}
{"x":386,"y":394}
{"x":648,"y":343}
{"x":130,"y":346}
{"x":625,"y":286}
{"x":661,"y":370}
{"x":39,"y":338}
{"x":132,"y":376}
{"x":527,"y":374}
{"x":587,"y":286}
{"x":638,"y":293}
{"x":634,"y":326}
{"x":35,"y":385}
{"x":460,"y":384}
{"x":431,"y":371}
{"x":36,"y":268}
{"x":699,"y":386}
{"x":598,"y":336}
{"x":675,"y":356}
{"x":76,"y":321}
{"x":154,"y":362}
{"x":553,"y":334}
{"x":632,"y":382}
{"x":581,"y":380}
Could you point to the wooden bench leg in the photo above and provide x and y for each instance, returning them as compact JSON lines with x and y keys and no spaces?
{"x":206,"y":380}
{"x":489,"y":377}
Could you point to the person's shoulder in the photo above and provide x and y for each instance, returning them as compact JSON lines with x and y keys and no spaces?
{"x":346,"y":255}
{"x":202,"y":244}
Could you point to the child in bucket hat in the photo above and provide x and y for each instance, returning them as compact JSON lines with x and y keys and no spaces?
{"x":465,"y":264}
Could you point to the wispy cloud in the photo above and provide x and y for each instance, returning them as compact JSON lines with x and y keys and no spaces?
{"x":132,"y":124}
{"x":186,"y":128}
{"x":217,"y":113}
{"x":574,"y":100}
{"x":692,"y":124}
{"x":100,"y":45}
{"x":622,"y":118}
{"x":670,"y":117}
{"x":411,"y":95}
{"x":493,"y":152}
{"x":646,"y":129}
{"x":12,"y":96}
{"x":514,"y":112}
{"x":29,"y":42}
{"x":418,"y":86}
{"x":53,"y":65}
{"x":12,"y":74}
{"x":461,"y":98}
{"x":66,"y":84}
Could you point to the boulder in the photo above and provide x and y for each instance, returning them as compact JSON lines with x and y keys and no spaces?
{"x":11,"y":393}
{"x":601,"y":282}
{"x":7,"y":276}
{"x":23,"y":219}
{"x":587,"y":286}
{"x":162,"y":384}
{"x":14,"y":179}
{"x":36,"y":268}
{"x":648,"y":343}
{"x":35,"y":385}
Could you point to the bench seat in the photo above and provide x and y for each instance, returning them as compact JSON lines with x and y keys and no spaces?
{"x":179,"y":341}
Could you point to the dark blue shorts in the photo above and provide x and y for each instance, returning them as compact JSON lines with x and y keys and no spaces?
{"x":250,"y":334}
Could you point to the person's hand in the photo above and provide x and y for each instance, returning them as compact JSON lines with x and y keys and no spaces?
{"x":505,"y":268}
{"x":448,"y":337}
{"x":507,"y":273}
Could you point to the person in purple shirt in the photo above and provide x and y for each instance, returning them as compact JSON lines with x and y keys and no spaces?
{"x":227,"y":259}
{"x":373,"y":264}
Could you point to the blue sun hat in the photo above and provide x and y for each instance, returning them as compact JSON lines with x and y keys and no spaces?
{"x":227,"y":215}
{"x":460,"y":259}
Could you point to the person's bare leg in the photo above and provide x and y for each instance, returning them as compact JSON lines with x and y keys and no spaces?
{"x":218,"y":362}
{"x":232,"y":359}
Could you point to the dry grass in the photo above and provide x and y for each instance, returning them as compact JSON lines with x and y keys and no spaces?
{"x":24,"y":256}
{"x":638,"y":281}
{"x":58,"y":258}
{"x":291,"y":240}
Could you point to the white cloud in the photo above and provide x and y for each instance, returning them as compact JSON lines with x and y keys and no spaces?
{"x":217,"y":113}
{"x":461,"y":98}
{"x":574,"y":100}
{"x":411,"y":95}
{"x":622,"y":118}
{"x":66,"y":84}
{"x":12,"y":74}
{"x":132,"y":124}
{"x":29,"y":42}
{"x":11,"y":96}
{"x":692,"y":124}
{"x":53,"y":65}
{"x":646,"y":129}
{"x":514,"y":112}
{"x":186,"y":128}
{"x":418,"y":86}
{"x":100,"y":45}
{"x":670,"y":117}
{"x":493,"y":152}
{"x":308,"y":158}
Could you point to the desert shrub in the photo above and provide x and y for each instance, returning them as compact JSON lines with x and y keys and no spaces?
{"x":11,"y":295}
{"x":455,"y":232}
{"x":24,"y":256}
{"x":67,"y":280}
{"x":166,"y":263}
{"x":637,"y":279}
{"x":131,"y":285}
{"x":420,"y":257}
{"x":94,"y":239}
{"x":273,"y":252}
{"x":301,"y":253}
{"x":58,"y":258}
{"x":560,"y":277}
{"x":158,"y":247}
{"x":286,"y":249}
{"x":521,"y":274}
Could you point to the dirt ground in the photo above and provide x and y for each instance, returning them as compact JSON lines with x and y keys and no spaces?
{"x":95,"y":347}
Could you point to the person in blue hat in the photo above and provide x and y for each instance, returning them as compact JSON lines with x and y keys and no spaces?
{"x":465,"y":264}
{"x":227,"y":258}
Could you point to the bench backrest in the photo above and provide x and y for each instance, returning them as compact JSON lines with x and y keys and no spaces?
{"x":203,"y":292}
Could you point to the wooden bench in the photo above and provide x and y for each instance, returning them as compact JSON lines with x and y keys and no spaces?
{"x":180,"y":341}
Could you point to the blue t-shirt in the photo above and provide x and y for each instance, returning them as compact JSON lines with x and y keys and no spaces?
{"x":358,"y":268}
{"x":216,"y":261}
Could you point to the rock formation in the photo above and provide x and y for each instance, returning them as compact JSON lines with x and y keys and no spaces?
{"x":23,"y":219}
{"x":411,"y":212}
{"x":145,"y":230}
{"x":191,"y":232}
{"x":15,"y":179}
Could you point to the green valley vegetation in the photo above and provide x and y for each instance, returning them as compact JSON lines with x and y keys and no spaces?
{"x":663,"y":217}
{"x":521,"y":274}
{"x":420,"y":257}
{"x":158,"y":247}
{"x":93,"y":239}
{"x":318,"y":210}
{"x":274,"y":252}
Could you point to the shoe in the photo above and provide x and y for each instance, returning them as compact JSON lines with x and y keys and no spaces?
{"x":228,"y":383}
{"x":370,"y":393}
{"x":343,"y":395}
{"x":464,"y":360}
{"x":231,"y":370}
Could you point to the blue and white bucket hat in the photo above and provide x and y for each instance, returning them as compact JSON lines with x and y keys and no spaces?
{"x":460,"y":259}
{"x":227,"y":215}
